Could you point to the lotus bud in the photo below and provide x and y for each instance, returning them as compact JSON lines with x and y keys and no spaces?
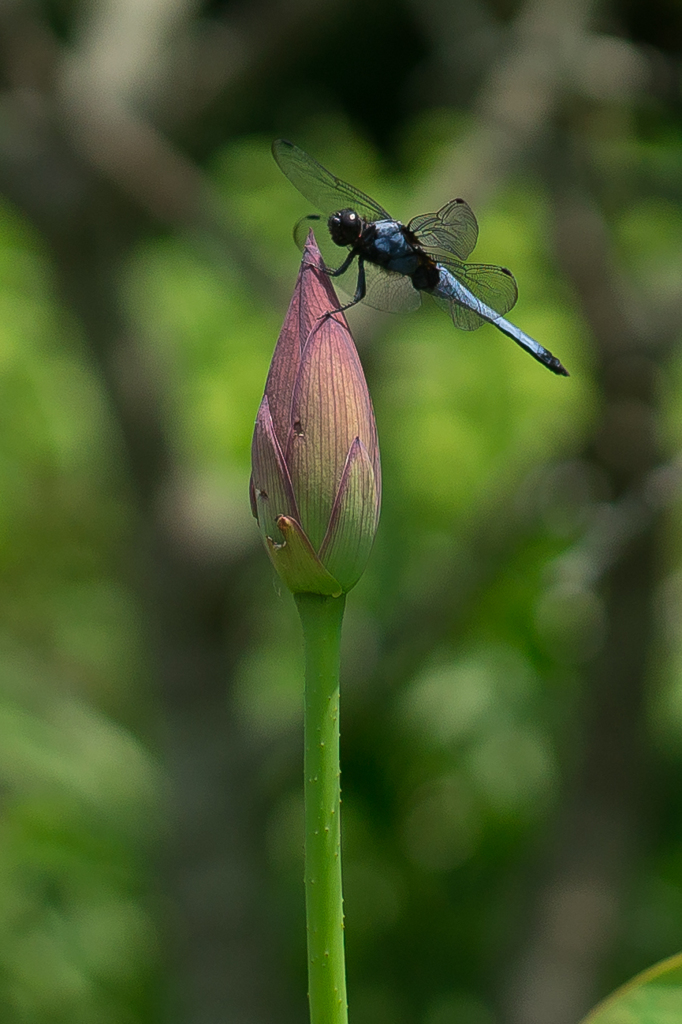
{"x":316,"y":476}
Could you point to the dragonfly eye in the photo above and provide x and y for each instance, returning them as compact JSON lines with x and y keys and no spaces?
{"x":345,"y":227}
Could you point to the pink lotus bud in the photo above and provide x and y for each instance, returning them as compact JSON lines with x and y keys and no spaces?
{"x":316,"y":477}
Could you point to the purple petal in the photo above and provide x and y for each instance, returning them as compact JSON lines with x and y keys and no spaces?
{"x":330,"y":408}
{"x":313,"y":297}
{"x":271,"y":490}
{"x":354,"y":519}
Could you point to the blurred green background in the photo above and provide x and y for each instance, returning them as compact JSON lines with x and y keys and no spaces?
{"x":512,"y":675}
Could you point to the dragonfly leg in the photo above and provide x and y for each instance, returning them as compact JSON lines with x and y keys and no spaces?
{"x":344,"y":266}
{"x":361,"y":289}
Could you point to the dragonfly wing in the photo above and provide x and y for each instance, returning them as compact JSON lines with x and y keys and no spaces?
{"x":462,"y":317}
{"x":389,"y":291}
{"x":321,"y":188}
{"x":453,"y":230}
{"x":492,"y":287}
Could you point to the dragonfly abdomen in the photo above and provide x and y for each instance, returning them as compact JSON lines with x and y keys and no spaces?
{"x":448,"y":287}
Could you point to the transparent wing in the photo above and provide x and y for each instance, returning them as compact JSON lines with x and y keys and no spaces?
{"x":494,"y":287}
{"x":325,"y":191}
{"x":391,"y":292}
{"x":453,"y":230}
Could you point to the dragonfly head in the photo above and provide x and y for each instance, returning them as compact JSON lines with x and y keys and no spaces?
{"x":345,"y":227}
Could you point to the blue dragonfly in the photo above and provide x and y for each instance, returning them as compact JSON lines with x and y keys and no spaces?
{"x":397,"y":262}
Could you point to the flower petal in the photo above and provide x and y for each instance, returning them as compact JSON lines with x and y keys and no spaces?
{"x":330,"y":408}
{"x":271,"y":491}
{"x":297,"y":563}
{"x":313,"y":297}
{"x":354,"y":519}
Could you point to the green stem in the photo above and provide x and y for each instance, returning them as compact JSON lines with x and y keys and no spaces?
{"x":321,"y":618}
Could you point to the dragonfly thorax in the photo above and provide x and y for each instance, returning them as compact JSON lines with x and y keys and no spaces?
{"x":345,"y":227}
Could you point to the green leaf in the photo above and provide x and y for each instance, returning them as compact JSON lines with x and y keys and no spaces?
{"x":652,"y":997}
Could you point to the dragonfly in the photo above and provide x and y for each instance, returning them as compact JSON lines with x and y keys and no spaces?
{"x":397,"y":262}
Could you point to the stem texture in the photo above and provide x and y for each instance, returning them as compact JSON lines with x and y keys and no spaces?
{"x":321,"y":618}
